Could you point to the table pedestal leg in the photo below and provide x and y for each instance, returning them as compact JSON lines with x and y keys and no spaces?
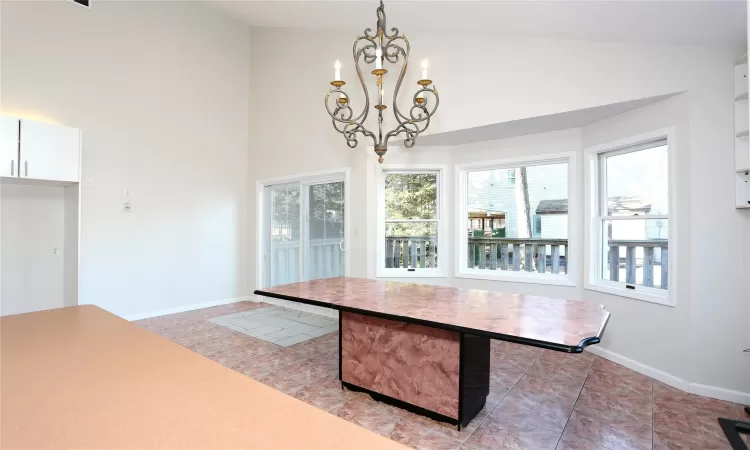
{"x":732,"y":429}
{"x":438,"y":373}
{"x":475,"y":376}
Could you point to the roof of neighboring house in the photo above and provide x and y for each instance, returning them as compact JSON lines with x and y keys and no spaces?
{"x":552,"y":207}
{"x":632,"y":204}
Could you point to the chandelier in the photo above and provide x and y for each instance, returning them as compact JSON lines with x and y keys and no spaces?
{"x":379,"y":49}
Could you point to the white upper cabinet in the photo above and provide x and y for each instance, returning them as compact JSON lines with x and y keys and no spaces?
{"x":49,"y":152}
{"x":8,"y":147}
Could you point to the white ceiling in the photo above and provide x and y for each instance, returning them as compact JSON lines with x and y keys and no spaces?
{"x":713,"y":22}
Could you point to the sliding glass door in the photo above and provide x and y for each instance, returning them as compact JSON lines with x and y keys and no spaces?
{"x":304,"y":230}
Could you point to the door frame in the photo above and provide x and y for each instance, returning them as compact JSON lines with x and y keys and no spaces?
{"x":263,"y":218}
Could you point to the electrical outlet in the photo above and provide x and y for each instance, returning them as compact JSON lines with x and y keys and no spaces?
{"x":126,"y":207}
{"x":127,"y":192}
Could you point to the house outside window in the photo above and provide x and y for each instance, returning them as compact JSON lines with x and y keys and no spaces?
{"x":409,"y":221}
{"x":511,"y":177}
{"x":508,"y":236}
{"x":630,"y":204}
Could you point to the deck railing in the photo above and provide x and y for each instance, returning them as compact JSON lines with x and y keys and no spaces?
{"x":325,"y":260}
{"x":643,"y":262}
{"x":518,"y":254}
{"x":646,"y":254}
{"x":411,"y":252}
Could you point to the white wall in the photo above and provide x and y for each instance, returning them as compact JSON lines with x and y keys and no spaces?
{"x":72,"y":230}
{"x":32,"y":225}
{"x":160,"y":92}
{"x":700,"y":340}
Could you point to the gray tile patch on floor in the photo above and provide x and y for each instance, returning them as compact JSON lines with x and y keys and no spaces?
{"x":280,"y":326}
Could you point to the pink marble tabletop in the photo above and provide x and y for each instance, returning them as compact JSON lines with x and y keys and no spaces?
{"x":566,"y":325}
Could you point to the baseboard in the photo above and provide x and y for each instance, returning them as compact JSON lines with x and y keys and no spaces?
{"x":641,"y":368}
{"x":728,"y":395}
{"x":184,"y":308}
{"x":742,"y":398}
{"x":319,"y":310}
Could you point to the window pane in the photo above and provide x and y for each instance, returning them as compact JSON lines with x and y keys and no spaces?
{"x":537,"y":225}
{"x":284,"y":235}
{"x":411,"y":245}
{"x":504,"y":219}
{"x":639,"y":250}
{"x":410,"y":196}
{"x":325,"y":257}
{"x":637,"y":183}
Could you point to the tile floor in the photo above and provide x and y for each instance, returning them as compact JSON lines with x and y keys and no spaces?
{"x":539,"y":399}
{"x":279,"y":326}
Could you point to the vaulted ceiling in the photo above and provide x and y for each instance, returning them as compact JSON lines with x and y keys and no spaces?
{"x":710,"y":22}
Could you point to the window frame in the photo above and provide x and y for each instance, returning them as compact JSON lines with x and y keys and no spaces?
{"x":574,"y":212}
{"x":508,"y":182}
{"x":595,"y":199}
{"x":402,"y":272}
{"x":534,"y":218}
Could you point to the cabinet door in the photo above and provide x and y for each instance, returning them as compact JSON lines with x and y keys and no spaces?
{"x":8,"y":147}
{"x":49,"y":152}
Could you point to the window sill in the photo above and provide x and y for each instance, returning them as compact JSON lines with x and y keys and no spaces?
{"x":517,"y":277}
{"x":403,"y":273}
{"x":663,"y":300}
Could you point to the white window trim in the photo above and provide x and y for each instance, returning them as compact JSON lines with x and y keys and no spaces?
{"x":262,"y":220}
{"x":380,"y":270}
{"x":568,"y":279}
{"x":593,"y":260}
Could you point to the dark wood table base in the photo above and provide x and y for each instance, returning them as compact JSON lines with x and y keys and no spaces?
{"x":441,"y":374}
{"x":732,"y":429}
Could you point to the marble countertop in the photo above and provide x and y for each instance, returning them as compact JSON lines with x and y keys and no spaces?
{"x":558,"y":324}
{"x":82,"y":378}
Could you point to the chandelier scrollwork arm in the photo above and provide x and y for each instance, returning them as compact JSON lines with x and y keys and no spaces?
{"x":381,"y":47}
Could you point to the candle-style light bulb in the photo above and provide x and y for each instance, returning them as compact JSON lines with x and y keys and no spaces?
{"x":425,"y":64}
{"x":378,"y":58}
{"x":337,"y":70}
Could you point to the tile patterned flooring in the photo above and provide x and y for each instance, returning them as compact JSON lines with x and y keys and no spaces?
{"x":539,"y":399}
{"x":280,"y":326}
